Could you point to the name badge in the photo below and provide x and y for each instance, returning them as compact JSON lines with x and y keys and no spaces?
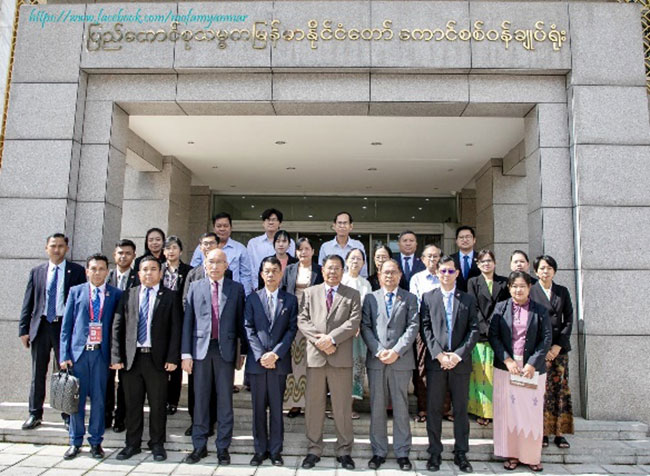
{"x":95,"y":333}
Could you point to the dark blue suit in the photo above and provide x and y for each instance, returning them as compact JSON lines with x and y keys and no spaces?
{"x":214,"y":359}
{"x":91,"y":367}
{"x":268,"y":333}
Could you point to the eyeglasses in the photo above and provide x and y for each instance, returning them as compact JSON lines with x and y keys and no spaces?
{"x":465,"y":237}
{"x":447,"y":271}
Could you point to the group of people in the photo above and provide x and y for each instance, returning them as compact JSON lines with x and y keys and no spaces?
{"x":472,"y":342}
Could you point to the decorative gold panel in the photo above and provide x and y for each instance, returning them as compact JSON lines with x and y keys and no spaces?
{"x":645,"y":21}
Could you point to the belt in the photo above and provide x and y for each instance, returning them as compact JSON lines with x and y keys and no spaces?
{"x":143,"y":350}
{"x":56,"y":318}
{"x":92,"y":347}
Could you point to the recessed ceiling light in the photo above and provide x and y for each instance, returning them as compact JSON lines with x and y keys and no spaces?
{"x":469,"y":144}
{"x":365,"y":198}
{"x":291,"y":168}
{"x":233,"y":186}
{"x":376,"y":143}
{"x":368,"y":186}
{"x":435,"y":188}
{"x":252,"y":206}
{"x":372,"y":169}
{"x":215,"y":166}
{"x":450,"y":170}
{"x":280,"y":142}
{"x":426,"y":199}
{"x":190,"y":142}
{"x":419,"y":208}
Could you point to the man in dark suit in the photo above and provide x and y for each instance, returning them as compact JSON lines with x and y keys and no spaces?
{"x":122,"y":277}
{"x":85,"y":348}
{"x":329,"y":319}
{"x":212,"y":325}
{"x":408,"y":262}
{"x":449,"y":329}
{"x":146,"y":344}
{"x":271,"y":322}
{"x":389,"y":326}
{"x":465,"y":257}
{"x":40,"y":318}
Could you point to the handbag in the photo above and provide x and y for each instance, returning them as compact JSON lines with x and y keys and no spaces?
{"x":64,"y":392}
{"x":521,"y":381}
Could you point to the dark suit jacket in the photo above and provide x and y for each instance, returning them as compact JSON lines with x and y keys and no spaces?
{"x":260,"y":281}
{"x":485,"y":302}
{"x":291,"y":275}
{"x":416,"y":266}
{"x":136,"y":264}
{"x":373,"y":279}
{"x":264,"y":336}
{"x":560,"y":312}
{"x":461,"y":283}
{"x":197,"y":322}
{"x":197,"y":273}
{"x":131,"y":280}
{"x":76,"y":321}
{"x":165,"y":328}
{"x":434,"y":333}
{"x":538,"y":335}
{"x":183,"y":271}
{"x":36,"y":291}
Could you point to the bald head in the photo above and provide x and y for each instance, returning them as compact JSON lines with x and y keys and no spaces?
{"x":216,"y":264}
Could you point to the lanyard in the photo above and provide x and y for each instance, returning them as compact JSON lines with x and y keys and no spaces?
{"x":92,"y":312}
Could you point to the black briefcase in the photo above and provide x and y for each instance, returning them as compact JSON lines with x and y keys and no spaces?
{"x":64,"y":392}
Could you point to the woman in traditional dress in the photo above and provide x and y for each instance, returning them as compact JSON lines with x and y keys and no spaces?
{"x":488,"y":289}
{"x":354,"y":262}
{"x":558,"y":411}
{"x":298,"y":277}
{"x":520,"y":335}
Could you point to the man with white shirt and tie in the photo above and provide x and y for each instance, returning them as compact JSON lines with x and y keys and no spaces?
{"x":465,"y":257}
{"x":408,"y":262}
{"x":39,"y":330}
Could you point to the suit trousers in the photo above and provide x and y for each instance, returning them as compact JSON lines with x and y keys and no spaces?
{"x":46,"y":340}
{"x":145,"y":379}
{"x":267,"y":391}
{"x":190,"y":401}
{"x":419,"y":374}
{"x":113,"y":412}
{"x":92,"y":370}
{"x":174,"y":386}
{"x":383,"y":383}
{"x":339,"y":382}
{"x":213,"y":373}
{"x":438,"y":382}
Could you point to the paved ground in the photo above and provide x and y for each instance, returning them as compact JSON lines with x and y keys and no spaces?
{"x":47,"y":460}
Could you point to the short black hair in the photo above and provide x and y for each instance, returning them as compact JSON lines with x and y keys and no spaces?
{"x":519,"y":252}
{"x":173,"y":240}
{"x":304,"y":239}
{"x":390,"y":260}
{"x":207,"y":234}
{"x":519,"y":274}
{"x":125,"y":243}
{"x":334,"y":257}
{"x":146,"y":238}
{"x":342,"y":213}
{"x":432,"y":245}
{"x":353,"y":250}
{"x":266,"y":214}
{"x":148,"y":258}
{"x":96,"y":257}
{"x":221,"y":215}
{"x":385,"y":248}
{"x":279,"y":234}
{"x":484,"y":252}
{"x":406,"y":232}
{"x":463,"y":228}
{"x":446,"y":259}
{"x":549,"y":259}
{"x":57,"y":235}
{"x":272,"y":260}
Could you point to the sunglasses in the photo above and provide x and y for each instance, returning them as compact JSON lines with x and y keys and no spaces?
{"x":447,"y":271}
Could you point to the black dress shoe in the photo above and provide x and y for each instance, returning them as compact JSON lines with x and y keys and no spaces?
{"x":172,"y":409}
{"x":223,"y":457}
{"x":310,"y":461}
{"x":127,"y":452}
{"x":258,"y":459}
{"x":433,"y":463}
{"x":463,"y":464}
{"x":276,"y":460}
{"x":188,"y":432}
{"x":196,"y":455}
{"x":118,"y":427}
{"x":404,"y":464}
{"x":96,"y":451}
{"x":72,"y":452}
{"x":159,"y":453}
{"x":346,"y":461}
{"x":375,"y":462}
{"x":32,"y":422}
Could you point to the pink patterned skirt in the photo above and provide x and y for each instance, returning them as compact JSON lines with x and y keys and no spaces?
{"x":518,"y":419}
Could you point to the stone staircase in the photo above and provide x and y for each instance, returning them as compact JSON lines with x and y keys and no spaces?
{"x":597,"y":442}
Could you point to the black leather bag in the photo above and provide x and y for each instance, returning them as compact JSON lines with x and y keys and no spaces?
{"x":64,"y":392}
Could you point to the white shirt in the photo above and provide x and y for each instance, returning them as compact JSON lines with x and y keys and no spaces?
{"x":262,"y":246}
{"x":152,"y":301}
{"x":273,"y":294}
{"x":411,"y":261}
{"x":333,"y":248}
{"x":102,"y":295}
{"x":118,"y":277}
{"x":60,"y":287}
{"x":359,"y":283}
{"x":423,"y":282}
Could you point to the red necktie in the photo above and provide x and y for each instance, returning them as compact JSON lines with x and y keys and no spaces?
{"x":329,"y":299}
{"x":215,"y":310}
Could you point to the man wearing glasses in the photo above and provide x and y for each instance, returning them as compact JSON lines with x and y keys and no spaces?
{"x":465,"y":258}
{"x":449,"y":328}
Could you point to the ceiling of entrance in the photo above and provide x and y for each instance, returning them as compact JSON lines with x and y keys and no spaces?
{"x":342,"y":155}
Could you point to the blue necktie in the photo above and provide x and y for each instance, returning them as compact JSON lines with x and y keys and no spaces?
{"x":407,"y":267}
{"x":449,"y":306}
{"x":144,"y":317}
{"x":51,"y":296}
{"x":389,"y":304}
{"x":465,"y":267}
{"x":96,"y":305}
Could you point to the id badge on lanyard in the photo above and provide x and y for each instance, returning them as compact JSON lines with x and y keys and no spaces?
{"x":95,"y":326}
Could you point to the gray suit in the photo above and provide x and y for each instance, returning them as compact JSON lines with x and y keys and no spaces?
{"x":397,"y":332}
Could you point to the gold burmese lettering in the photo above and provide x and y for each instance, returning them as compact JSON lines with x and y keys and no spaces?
{"x":262,"y":33}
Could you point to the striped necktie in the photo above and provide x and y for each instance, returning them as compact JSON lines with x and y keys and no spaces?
{"x":144,"y":318}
